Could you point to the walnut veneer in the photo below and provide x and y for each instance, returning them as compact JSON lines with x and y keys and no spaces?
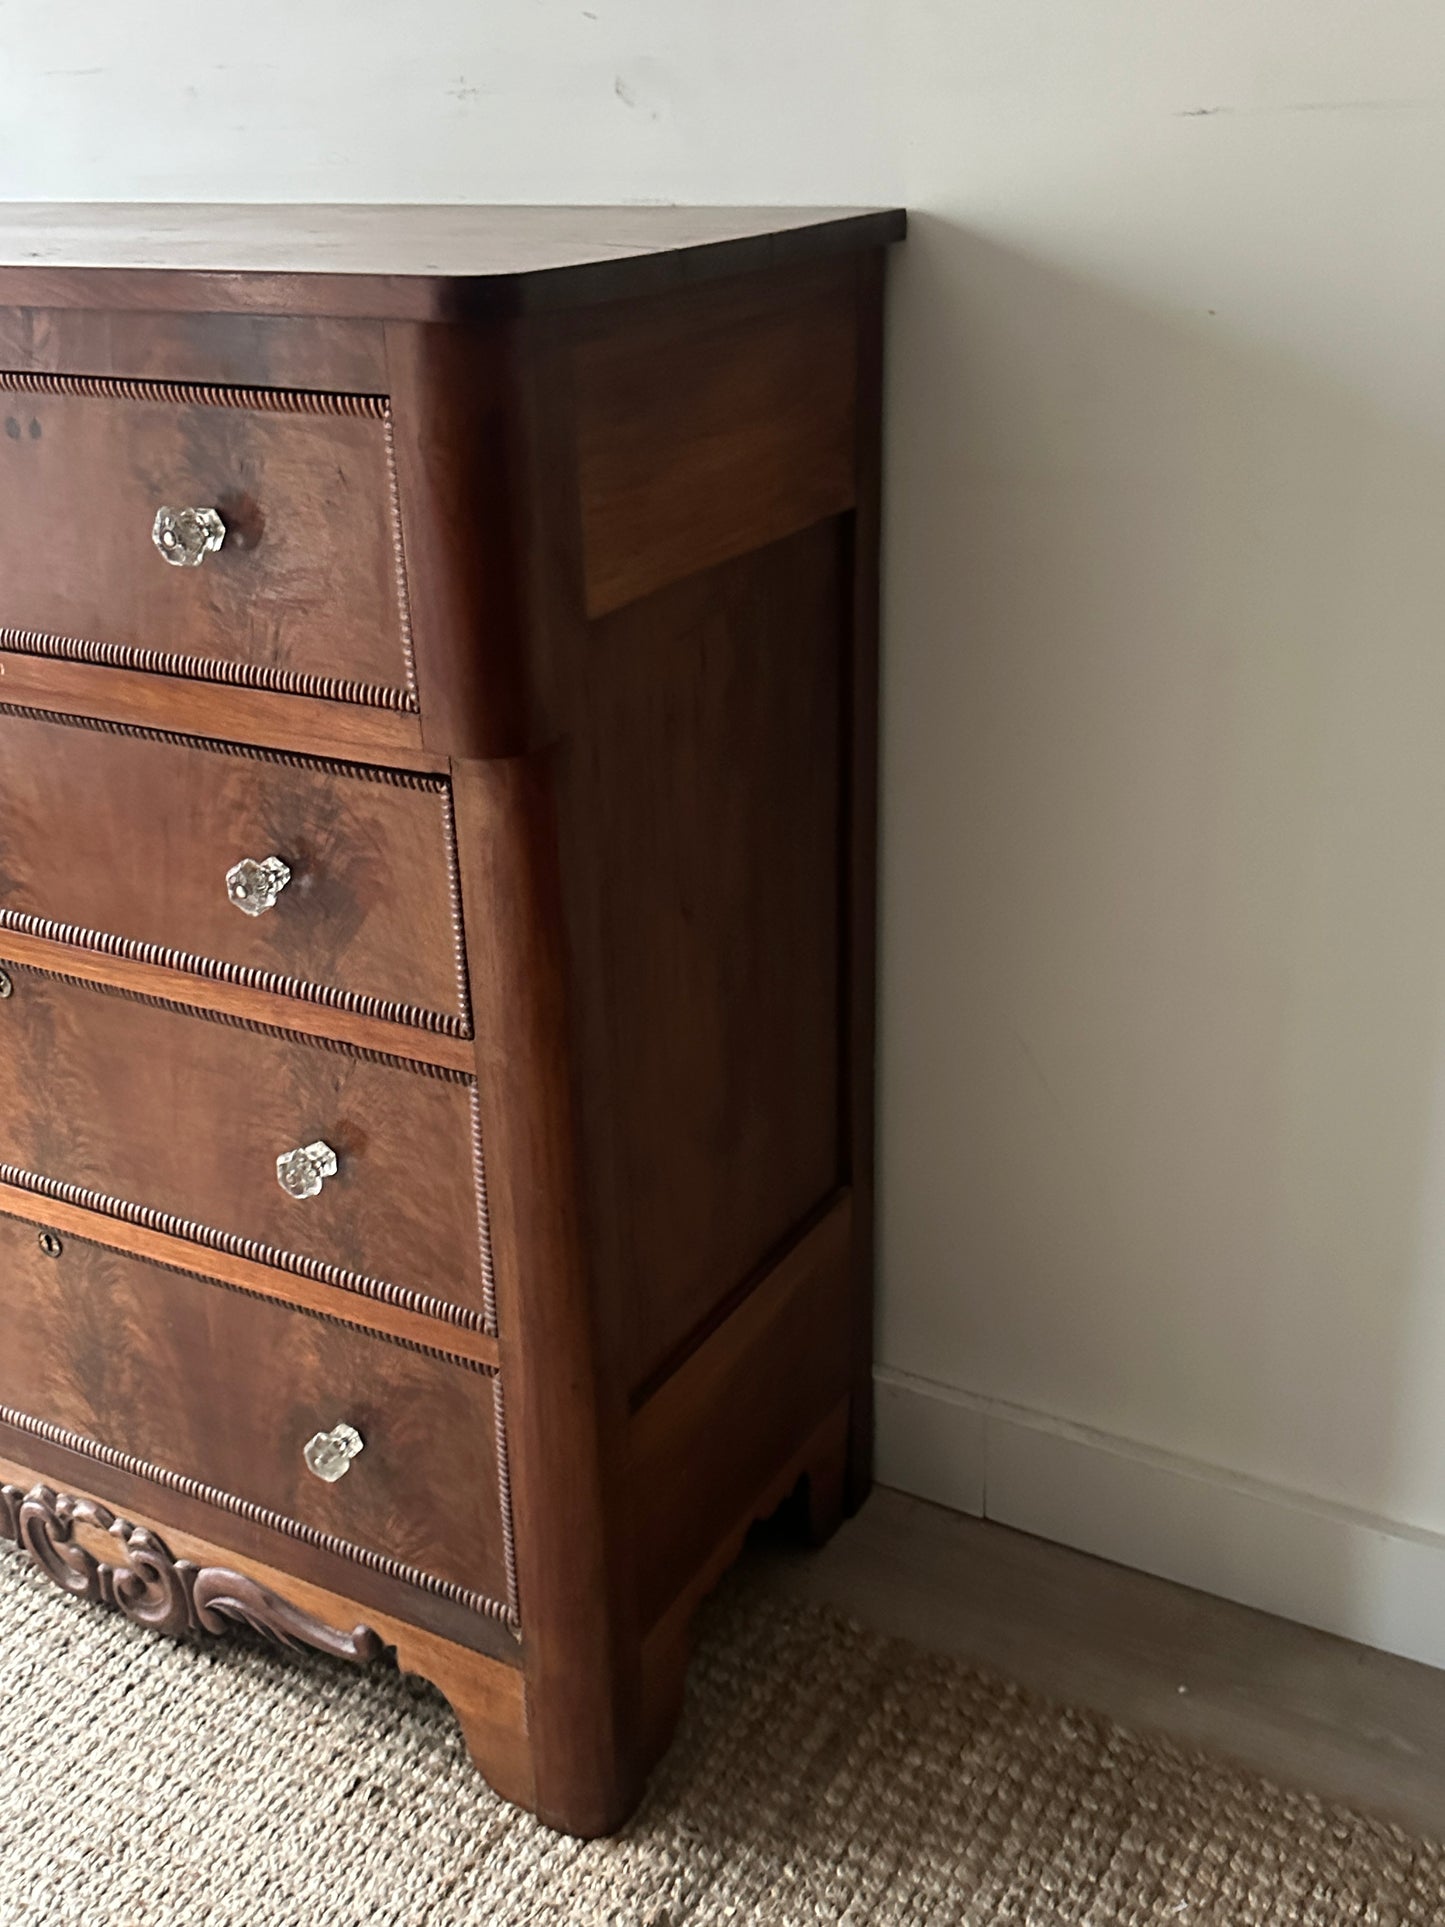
{"x":536,"y":639}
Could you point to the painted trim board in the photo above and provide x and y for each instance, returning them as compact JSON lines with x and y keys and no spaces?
{"x":1286,"y":1552}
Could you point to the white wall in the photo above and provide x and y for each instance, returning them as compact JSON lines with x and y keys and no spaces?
{"x":1164,"y":969}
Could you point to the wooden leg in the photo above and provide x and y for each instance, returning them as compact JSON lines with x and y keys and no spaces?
{"x":826,"y":1481}
{"x":858,"y":1460}
{"x":579,"y":1791}
{"x":817,"y":1503}
{"x":488,"y":1702}
{"x":808,"y":1502}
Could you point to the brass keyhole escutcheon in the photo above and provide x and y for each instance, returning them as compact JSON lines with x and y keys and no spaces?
{"x":50,"y":1244}
{"x":7,"y":984}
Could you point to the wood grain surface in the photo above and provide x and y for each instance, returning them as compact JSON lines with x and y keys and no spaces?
{"x":280,"y":1009}
{"x":704,"y":822}
{"x":714,"y":423}
{"x":144,"y":1360}
{"x":231,"y":350}
{"x":397,"y":263}
{"x":369,"y":912}
{"x":390,"y":1317}
{"x":565,"y":1410}
{"x":186,"y":1115}
{"x":305,"y":583}
{"x":715,"y":1434}
{"x":158,"y":697}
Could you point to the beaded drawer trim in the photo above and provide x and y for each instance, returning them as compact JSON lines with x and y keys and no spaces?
{"x":323,"y":1273}
{"x":241,"y":675}
{"x":195,"y":394}
{"x":329,"y":1542}
{"x":361,"y":1004}
{"x":402,"y":779}
{"x":36,"y":1219}
{"x":272,"y":401}
{"x":231,"y":1020}
{"x":205,"y":669}
{"x":245,"y":978}
{"x":251,"y":1249}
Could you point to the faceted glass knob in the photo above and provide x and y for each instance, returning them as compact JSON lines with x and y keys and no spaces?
{"x":186,"y":537}
{"x":301,"y":1173}
{"x":254,"y":887}
{"x":329,"y":1454}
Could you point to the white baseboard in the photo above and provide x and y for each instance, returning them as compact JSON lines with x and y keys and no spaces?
{"x":1348,"y":1572}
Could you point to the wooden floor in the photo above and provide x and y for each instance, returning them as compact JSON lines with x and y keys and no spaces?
{"x":1303,"y":1707}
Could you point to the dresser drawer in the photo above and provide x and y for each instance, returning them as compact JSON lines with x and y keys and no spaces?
{"x":163,"y":1112}
{"x":304,"y":592}
{"x":210,"y":1384}
{"x":130,"y":836}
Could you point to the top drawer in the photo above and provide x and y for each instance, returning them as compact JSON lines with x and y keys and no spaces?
{"x":305,"y":593}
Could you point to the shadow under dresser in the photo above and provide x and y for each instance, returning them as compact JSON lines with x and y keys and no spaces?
{"x":437,"y":801}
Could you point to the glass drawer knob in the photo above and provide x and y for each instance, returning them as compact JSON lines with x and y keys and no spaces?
{"x":254,"y":887}
{"x":185,"y":537}
{"x":329,"y":1454}
{"x":301,"y":1173}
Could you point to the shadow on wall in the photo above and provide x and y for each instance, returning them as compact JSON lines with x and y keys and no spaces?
{"x":1164,"y":883}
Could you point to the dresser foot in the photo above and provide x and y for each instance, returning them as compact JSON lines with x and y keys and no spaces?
{"x":858,"y":1468}
{"x":170,"y":1581}
{"x":807,"y":1502}
{"x":816,"y":1503}
{"x":488,"y":1701}
{"x":825,"y":1481}
{"x":585,"y":1800}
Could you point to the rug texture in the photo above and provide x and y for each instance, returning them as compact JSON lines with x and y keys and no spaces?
{"x":823,"y":1774}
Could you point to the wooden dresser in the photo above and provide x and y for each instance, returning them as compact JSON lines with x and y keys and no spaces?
{"x":437,"y":740}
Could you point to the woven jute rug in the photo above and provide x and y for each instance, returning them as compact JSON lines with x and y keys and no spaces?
{"x":823,"y":1774}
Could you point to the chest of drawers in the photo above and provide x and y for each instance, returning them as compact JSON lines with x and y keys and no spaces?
{"x":437,"y":695}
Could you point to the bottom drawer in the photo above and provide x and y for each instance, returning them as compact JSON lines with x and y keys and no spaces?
{"x":214,"y":1385}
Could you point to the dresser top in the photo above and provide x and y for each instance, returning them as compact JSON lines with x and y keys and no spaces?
{"x":398,"y":262}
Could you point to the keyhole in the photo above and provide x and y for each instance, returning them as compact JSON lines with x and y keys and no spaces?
{"x":50,"y":1244}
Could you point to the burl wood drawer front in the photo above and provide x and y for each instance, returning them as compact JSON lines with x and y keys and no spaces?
{"x":305,"y":592}
{"x":167,"y":1114}
{"x":215,"y":1386}
{"x":126,"y":838}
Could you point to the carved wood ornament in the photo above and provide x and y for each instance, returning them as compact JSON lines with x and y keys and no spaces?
{"x":151,"y":1586}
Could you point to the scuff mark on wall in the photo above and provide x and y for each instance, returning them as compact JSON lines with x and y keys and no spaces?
{"x":627,"y":94}
{"x":1405,"y":105}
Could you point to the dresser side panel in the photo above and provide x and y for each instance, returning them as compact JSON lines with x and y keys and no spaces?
{"x":712,"y":422}
{"x":702,"y":804}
